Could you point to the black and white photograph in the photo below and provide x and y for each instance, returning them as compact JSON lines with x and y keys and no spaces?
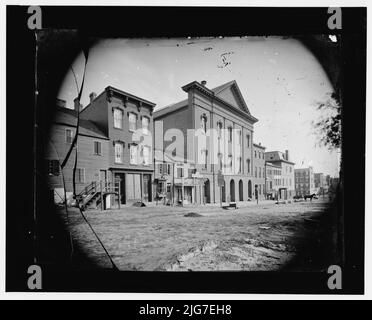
{"x":203,"y":154}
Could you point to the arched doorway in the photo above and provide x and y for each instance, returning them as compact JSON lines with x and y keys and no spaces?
{"x":207,"y":193}
{"x":232,"y":190}
{"x":250,"y":189}
{"x":240,"y":190}
{"x":223,"y":192}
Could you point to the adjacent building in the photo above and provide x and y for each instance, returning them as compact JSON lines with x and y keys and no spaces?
{"x":304,"y":180}
{"x":114,"y":145}
{"x":285,"y":186}
{"x":212,"y":132}
{"x":259,"y":170}
{"x":320,"y":183}
{"x":127,"y":121}
{"x":177,"y":182}
{"x":273,"y":180}
{"x":92,"y":152}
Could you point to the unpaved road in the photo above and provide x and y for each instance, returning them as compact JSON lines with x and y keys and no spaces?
{"x":253,"y":238}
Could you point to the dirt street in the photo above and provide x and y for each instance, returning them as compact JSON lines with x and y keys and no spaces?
{"x":266,"y":236}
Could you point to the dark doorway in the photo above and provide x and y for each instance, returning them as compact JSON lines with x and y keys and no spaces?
{"x":250,"y":189}
{"x":223,"y":191}
{"x":207,"y":191}
{"x":232,"y":190}
{"x":120,"y":177}
{"x":240,"y":190}
{"x":147,"y":188}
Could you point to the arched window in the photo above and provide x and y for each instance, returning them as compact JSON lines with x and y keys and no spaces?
{"x":203,"y":122}
{"x":229,"y":129}
{"x":219,"y":129}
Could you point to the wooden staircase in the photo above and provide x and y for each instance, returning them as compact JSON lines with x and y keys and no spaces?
{"x":93,"y":194}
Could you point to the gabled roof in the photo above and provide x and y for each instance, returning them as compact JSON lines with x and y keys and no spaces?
{"x":218,"y":92}
{"x":170,"y":108}
{"x":235,"y":88}
{"x":68,"y":117}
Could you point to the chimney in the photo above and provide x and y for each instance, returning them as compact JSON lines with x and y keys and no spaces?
{"x":61,"y":103}
{"x":92,"y":96}
{"x":77,"y":106}
{"x":287,"y":155}
{"x":204,"y":83}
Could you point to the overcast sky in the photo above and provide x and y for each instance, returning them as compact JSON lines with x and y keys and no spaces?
{"x":280,"y":80}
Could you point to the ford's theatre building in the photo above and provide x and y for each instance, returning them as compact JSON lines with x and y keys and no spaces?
{"x":204,"y":152}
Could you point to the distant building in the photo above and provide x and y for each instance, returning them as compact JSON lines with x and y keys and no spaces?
{"x":259,"y":170}
{"x":273,"y":180}
{"x":304,"y":180}
{"x":286,"y":186}
{"x":320,"y":182}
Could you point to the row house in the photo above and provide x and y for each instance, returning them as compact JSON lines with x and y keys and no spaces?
{"x":320,"y":183}
{"x":259,"y":170}
{"x":211,"y":131}
{"x":115,"y":145}
{"x":92,"y":152}
{"x":285,"y":188}
{"x":273,"y":180}
{"x":127,"y":121}
{"x":177,"y":182}
{"x":304,"y":179}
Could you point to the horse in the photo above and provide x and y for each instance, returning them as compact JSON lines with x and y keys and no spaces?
{"x":310,"y":196}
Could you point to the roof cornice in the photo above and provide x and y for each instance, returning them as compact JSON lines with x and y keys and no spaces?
{"x":110,"y":89}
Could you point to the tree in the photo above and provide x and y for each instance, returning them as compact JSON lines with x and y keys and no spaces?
{"x":328,"y":126}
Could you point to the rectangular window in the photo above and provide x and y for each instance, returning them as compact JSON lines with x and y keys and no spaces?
{"x":230,"y":134}
{"x":145,"y":125}
{"x":240,"y":164}
{"x":132,"y":121}
{"x":118,"y":118}
{"x":255,"y":172}
{"x":239,"y":137}
{"x":259,"y":172}
{"x":97,"y":147}
{"x":53,"y":167}
{"x":69,"y":135}
{"x":80,"y":175}
{"x":146,"y":155}
{"x":160,"y":168}
{"x":118,"y":152}
{"x":133,"y":154}
{"x":249,"y":165}
{"x":248,"y":138}
{"x":180,"y":172}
